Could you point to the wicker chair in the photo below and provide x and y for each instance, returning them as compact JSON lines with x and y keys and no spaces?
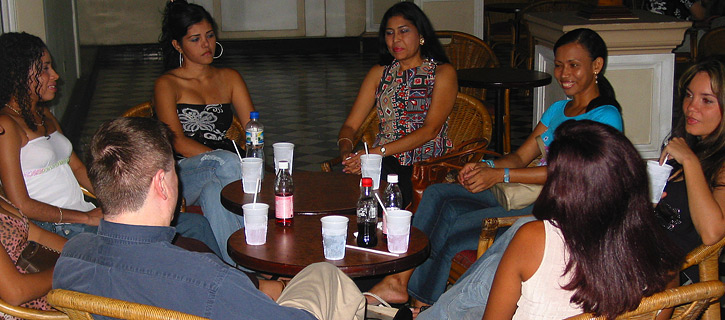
{"x":689,"y":302}
{"x":466,"y":51}
{"x":469,"y":120}
{"x":712,"y":43}
{"x":705,"y":257}
{"x":80,"y":306}
{"x":30,"y":314}
{"x":235,"y":132}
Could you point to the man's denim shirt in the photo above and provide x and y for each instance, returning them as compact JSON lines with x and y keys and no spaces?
{"x":139,"y":264}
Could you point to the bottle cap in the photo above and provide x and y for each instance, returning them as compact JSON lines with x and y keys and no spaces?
{"x":254,"y":115}
{"x":284,"y":164}
{"x":367,"y":182}
{"x":392,"y":178}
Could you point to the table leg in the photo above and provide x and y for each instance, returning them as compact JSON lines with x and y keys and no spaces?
{"x":507,"y":122}
{"x":500,"y":110}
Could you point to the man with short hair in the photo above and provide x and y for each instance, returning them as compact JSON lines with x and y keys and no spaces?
{"x":131,"y":257}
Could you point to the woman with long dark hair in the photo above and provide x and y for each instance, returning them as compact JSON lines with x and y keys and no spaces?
{"x":413,"y":89}
{"x":198,"y":102}
{"x":692,"y":211}
{"x":596,"y":229}
{"x":451,"y":214}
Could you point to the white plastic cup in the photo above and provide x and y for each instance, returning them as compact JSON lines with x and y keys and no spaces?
{"x":251,"y":172}
{"x":283,"y":151}
{"x":255,"y":223}
{"x":334,"y":236}
{"x":372,"y":165}
{"x":658,"y":176}
{"x":398,"y":230}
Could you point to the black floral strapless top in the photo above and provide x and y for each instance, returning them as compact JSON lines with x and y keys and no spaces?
{"x":207,"y":124}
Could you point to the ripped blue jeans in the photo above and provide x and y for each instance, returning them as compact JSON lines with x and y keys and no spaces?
{"x":202,"y":178}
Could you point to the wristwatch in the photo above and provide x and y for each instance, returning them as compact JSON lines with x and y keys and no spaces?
{"x":382,"y":150}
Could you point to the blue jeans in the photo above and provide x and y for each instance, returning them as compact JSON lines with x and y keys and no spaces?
{"x":202,"y":178}
{"x":66,"y":230}
{"x":451,"y":216}
{"x":466,"y":300}
{"x":196,"y":226}
{"x":190,"y":225}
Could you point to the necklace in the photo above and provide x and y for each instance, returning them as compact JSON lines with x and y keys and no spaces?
{"x":42,"y":119}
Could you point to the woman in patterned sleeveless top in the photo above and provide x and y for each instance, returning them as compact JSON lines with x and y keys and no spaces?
{"x":413,"y":88}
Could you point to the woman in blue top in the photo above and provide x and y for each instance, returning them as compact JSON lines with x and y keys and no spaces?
{"x":451,"y":214}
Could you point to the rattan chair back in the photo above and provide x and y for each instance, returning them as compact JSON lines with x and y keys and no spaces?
{"x":30,"y":314}
{"x":235,"y":131}
{"x":689,"y":302}
{"x":712,"y":43}
{"x":81,"y":306}
{"x":466,"y":51}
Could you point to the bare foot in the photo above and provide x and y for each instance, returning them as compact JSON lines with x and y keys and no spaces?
{"x":417,"y":306}
{"x":390,"y":289}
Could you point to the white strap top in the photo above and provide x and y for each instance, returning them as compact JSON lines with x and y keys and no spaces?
{"x":542,"y":296}
{"x":48,"y":176}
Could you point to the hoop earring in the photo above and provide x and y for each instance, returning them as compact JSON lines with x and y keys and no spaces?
{"x":220,"y":52}
{"x":181,"y":59}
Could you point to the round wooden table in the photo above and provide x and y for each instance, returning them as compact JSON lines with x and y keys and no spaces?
{"x":502,"y":79}
{"x":289,"y":250}
{"x":316,"y":192}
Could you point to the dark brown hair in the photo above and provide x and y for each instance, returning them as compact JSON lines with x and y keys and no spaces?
{"x":710,"y":150}
{"x":597,"y":193}
{"x":125,"y":154}
{"x":20,"y":58}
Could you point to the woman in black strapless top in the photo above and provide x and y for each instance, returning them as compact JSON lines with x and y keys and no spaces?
{"x":198,"y":102}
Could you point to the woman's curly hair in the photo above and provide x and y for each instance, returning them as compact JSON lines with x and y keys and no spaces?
{"x":20,"y":58}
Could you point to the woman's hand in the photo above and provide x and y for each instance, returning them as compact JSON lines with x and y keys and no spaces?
{"x":351,"y":163}
{"x":94,"y":217}
{"x":678,"y":150}
{"x":476,"y":177}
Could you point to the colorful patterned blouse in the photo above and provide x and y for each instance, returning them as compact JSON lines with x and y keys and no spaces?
{"x":403,"y":100}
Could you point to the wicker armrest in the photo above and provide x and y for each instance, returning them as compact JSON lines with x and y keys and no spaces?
{"x":490,"y":228}
{"x":27,"y":313}
{"x":327,"y":165}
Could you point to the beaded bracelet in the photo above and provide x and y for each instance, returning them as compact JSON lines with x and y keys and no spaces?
{"x":489,"y":163}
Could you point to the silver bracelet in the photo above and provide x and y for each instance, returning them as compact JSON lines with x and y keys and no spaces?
{"x":348,"y":139}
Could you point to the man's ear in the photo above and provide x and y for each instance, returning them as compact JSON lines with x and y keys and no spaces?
{"x":160,"y":185}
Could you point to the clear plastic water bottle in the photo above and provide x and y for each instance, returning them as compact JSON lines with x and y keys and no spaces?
{"x":367,"y":215}
{"x":284,"y":190}
{"x":255,"y":137}
{"x":393,"y":199}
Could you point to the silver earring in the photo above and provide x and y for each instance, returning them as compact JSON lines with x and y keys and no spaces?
{"x":181,"y":59}
{"x":220,"y":52}
{"x":422,"y":41}
{"x":596,"y":77}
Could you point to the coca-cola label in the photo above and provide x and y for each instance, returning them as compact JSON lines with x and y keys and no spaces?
{"x":283,"y":207}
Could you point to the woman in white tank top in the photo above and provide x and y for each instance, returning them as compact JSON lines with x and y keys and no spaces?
{"x":596,"y":229}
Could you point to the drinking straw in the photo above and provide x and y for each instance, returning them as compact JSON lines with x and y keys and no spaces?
{"x":237,"y":149}
{"x":256,"y":188}
{"x":381,"y":203}
{"x":372,"y":250}
{"x":365,"y":143}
